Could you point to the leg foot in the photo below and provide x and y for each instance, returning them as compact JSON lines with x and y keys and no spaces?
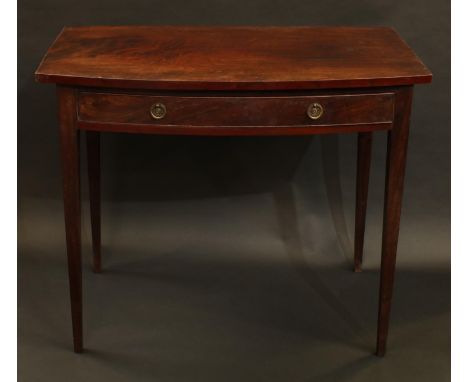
{"x":70,"y":155}
{"x":396,"y":160}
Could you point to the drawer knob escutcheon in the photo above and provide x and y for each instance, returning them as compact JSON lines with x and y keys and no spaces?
{"x":315,"y":111}
{"x":158,"y":111}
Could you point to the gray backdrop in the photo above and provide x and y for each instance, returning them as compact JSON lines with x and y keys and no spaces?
{"x":229,"y":259}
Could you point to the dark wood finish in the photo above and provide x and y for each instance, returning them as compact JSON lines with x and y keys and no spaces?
{"x":229,"y":58}
{"x":258,"y":115}
{"x":70,"y":155}
{"x":229,"y":131}
{"x":94,"y":180}
{"x":362,"y":186}
{"x":233,"y":81}
{"x":397,"y":142}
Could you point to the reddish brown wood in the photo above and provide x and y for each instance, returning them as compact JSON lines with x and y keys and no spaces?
{"x":229,"y":58}
{"x":70,"y":154}
{"x":362,"y":185}
{"x":397,"y":142}
{"x":94,"y":177}
{"x":198,"y":114}
{"x":230,"y":131}
{"x":217,"y":72}
{"x":235,"y":115}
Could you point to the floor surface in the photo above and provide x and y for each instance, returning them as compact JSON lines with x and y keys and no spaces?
{"x":202,"y":302}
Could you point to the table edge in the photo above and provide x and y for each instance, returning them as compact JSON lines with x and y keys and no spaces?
{"x":247,"y":85}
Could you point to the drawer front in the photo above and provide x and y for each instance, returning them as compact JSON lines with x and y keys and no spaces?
{"x":236,"y":111}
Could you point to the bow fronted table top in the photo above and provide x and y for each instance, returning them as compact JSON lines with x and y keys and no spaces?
{"x":231,"y":58}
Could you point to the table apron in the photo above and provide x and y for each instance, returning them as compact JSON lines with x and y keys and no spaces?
{"x":231,"y":130}
{"x":233,"y":114}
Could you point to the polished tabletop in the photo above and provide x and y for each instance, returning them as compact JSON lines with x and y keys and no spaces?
{"x":231,"y":58}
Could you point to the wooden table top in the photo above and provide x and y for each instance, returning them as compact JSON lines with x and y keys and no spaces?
{"x":230,"y":58}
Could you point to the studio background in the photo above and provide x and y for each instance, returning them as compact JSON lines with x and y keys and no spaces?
{"x":230,"y":259}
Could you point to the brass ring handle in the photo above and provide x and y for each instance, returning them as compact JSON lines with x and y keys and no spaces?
{"x":315,"y":111}
{"x":158,"y":111}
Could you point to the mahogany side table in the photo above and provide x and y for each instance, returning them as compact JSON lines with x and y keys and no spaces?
{"x":233,"y":81}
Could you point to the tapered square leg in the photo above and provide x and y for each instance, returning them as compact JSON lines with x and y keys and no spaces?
{"x":94,"y":180}
{"x":362,"y":186}
{"x":70,"y":155}
{"x":397,"y":141}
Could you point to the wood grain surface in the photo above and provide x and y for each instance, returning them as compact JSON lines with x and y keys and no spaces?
{"x":209,"y":115}
{"x":231,"y":58}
